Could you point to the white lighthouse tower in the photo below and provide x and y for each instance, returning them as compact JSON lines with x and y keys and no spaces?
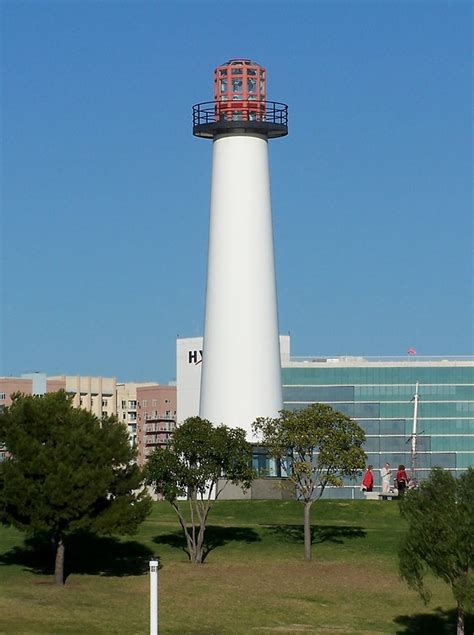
{"x":241,"y":370}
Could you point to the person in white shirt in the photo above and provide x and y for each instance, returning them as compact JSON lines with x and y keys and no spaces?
{"x":385,"y":473}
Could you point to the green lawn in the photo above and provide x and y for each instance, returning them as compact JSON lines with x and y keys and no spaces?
{"x":254,"y":579}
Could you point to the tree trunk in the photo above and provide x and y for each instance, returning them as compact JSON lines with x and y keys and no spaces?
{"x":460,"y":621}
{"x":59,"y":562}
{"x":200,"y":544}
{"x":307,"y":531}
{"x":188,"y":534}
{"x":191,"y":545}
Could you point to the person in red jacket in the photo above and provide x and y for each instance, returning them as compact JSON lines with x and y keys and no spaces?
{"x":368,"y":480}
{"x":402,"y":479}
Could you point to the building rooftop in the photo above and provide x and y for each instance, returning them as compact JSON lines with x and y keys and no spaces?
{"x":405,"y":360}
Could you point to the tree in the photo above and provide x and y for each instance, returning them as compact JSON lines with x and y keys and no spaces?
{"x":67,"y":471}
{"x":197,"y":464}
{"x":440,"y":538}
{"x":316,"y":447}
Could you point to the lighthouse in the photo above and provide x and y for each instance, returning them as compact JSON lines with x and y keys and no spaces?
{"x":241,"y":370}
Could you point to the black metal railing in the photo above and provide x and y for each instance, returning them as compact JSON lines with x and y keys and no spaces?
{"x":269,"y":112}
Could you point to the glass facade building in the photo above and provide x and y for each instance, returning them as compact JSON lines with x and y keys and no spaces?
{"x":379,"y":394}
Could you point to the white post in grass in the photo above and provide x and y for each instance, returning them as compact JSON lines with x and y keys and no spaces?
{"x":153,"y":597}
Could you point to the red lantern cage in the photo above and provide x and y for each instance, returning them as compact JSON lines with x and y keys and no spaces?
{"x":240,"y":91}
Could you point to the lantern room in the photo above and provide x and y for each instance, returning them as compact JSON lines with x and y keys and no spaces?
{"x":240,"y":104}
{"x":240,"y":91}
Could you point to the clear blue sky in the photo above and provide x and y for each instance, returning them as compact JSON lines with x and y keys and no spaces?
{"x":105,"y":196}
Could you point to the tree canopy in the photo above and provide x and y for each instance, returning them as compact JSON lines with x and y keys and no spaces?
{"x":316,"y":446}
{"x":67,"y":471}
{"x":440,"y":538}
{"x":197,"y":465}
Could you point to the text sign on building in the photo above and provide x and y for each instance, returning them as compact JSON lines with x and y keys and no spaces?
{"x":195,"y":357}
{"x":188,"y":376}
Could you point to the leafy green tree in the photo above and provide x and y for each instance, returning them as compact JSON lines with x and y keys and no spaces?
{"x":197,"y":464}
{"x":440,"y":538}
{"x":316,"y":447}
{"x":67,"y":471}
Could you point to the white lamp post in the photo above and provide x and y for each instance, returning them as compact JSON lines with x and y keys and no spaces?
{"x":154,"y":565}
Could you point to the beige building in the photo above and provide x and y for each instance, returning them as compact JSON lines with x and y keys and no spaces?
{"x":11,"y":385}
{"x":127,"y":407}
{"x":149,"y":404}
{"x":95,"y":394}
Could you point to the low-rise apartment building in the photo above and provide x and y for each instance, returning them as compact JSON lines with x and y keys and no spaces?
{"x":156,"y":418}
{"x":147,"y":409}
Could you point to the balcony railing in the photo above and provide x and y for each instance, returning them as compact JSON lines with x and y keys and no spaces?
{"x":211,"y":118}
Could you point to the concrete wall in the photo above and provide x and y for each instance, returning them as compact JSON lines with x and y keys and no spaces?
{"x":233,"y":492}
{"x":261,"y":489}
{"x":271,"y":488}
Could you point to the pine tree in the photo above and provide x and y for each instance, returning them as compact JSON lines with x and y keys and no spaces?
{"x":67,"y":471}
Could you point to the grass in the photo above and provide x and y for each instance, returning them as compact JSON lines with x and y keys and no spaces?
{"x":254,"y":579}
